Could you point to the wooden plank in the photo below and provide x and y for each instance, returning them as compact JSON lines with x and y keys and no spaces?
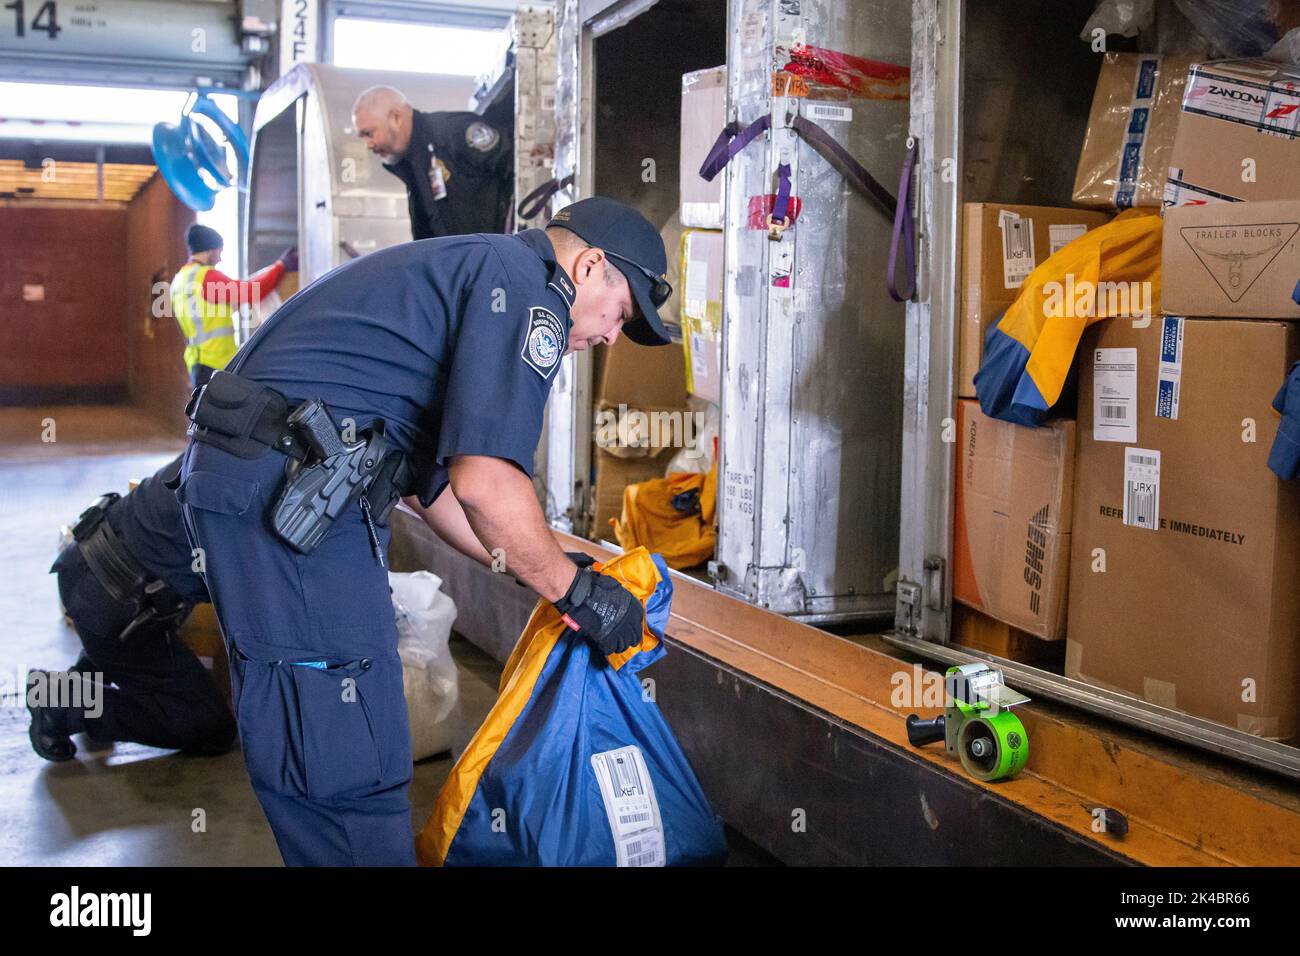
{"x":1184,"y":807}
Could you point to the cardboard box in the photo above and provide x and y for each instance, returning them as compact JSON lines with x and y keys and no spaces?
{"x":202,"y":635}
{"x":287,"y":285}
{"x":1131,"y":130}
{"x":1232,"y":259}
{"x":977,"y":631}
{"x":702,"y":270}
{"x":1001,"y":245}
{"x":1011,"y":529}
{"x":1196,"y":606}
{"x":704,"y":113}
{"x":670,"y":312}
{"x":640,"y":376}
{"x":1238,"y":134}
{"x":613,"y":474}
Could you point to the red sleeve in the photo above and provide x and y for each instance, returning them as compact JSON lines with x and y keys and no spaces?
{"x":219,"y":287}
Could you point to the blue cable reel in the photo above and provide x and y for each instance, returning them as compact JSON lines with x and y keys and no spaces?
{"x":191,"y":160}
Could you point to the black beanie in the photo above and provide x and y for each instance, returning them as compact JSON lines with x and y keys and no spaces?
{"x":203,"y":238}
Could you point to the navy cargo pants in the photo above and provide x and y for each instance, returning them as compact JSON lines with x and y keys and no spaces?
{"x":315,"y":677}
{"x":155,"y":691}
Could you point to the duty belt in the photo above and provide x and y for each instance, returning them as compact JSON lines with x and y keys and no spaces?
{"x":119,"y":573}
{"x":243,"y":418}
{"x":327,"y":474}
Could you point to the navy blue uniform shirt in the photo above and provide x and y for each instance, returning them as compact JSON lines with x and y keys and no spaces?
{"x":477,"y":170}
{"x":148,"y":521}
{"x":454,"y":342}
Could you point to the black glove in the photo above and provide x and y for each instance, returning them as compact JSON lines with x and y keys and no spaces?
{"x":601,"y":610}
{"x":290,"y":259}
{"x":580,"y":558}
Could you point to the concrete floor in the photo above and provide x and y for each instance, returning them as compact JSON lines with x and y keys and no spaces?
{"x":126,"y":805}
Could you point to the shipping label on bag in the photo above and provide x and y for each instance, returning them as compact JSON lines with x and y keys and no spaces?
{"x":1169,"y":380}
{"x":1142,"y":488}
{"x":631,"y":806}
{"x":1114,"y":395}
{"x":1017,"y":248}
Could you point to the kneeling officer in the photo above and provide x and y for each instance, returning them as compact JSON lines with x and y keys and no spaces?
{"x":422,"y":371}
{"x":127,"y":583}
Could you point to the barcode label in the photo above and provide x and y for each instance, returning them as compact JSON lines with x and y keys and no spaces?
{"x":631,"y":807}
{"x":695,"y":294}
{"x":824,"y":111}
{"x":1061,"y":235}
{"x":1142,"y":488}
{"x":646,"y":850}
{"x":1114,"y":395}
{"x":699,"y":359}
{"x":1017,"y":248}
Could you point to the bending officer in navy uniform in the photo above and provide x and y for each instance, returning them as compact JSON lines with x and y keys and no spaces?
{"x":441,"y":352}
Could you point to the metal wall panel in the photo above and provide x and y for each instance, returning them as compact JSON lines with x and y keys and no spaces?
{"x":564,"y":459}
{"x":812,"y":344}
{"x":163,"y":43}
{"x":533,"y":38}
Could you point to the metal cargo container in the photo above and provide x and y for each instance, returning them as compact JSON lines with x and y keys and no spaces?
{"x":812,"y":390}
{"x":617,"y":105}
{"x":965,"y":87}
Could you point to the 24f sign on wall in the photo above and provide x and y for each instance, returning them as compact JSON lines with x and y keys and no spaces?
{"x":299,"y":21}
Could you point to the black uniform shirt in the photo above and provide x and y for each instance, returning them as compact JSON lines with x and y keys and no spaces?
{"x":454,"y":342}
{"x":477,"y":167}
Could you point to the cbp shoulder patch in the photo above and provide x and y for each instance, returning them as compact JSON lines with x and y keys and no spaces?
{"x":481,"y":136}
{"x":545,"y":342}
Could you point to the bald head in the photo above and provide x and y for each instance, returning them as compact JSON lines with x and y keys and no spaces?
{"x":382,"y":118}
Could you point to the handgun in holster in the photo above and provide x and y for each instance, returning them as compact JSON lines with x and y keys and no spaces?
{"x":335,"y":476}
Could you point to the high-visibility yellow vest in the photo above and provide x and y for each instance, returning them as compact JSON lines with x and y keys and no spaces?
{"x":208,"y":327}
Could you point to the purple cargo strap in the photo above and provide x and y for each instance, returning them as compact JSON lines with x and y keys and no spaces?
{"x":540,"y":196}
{"x":904,"y":232}
{"x":781,"y":207}
{"x":840,"y":158}
{"x":734,"y":138}
{"x":731,"y":141}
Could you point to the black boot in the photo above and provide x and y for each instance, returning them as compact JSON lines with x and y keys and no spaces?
{"x":49,"y":731}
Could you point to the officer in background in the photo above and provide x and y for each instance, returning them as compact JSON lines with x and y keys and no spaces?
{"x":204,"y":300}
{"x":128,"y":583}
{"x":434,"y":360}
{"x":458,"y":167}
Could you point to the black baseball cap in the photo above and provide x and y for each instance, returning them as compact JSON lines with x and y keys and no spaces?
{"x":634,"y":248}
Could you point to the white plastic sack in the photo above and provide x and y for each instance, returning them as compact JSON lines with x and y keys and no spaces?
{"x":697,"y":455}
{"x":429,"y":676}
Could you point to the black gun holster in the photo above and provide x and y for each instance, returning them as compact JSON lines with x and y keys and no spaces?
{"x":325,"y":475}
